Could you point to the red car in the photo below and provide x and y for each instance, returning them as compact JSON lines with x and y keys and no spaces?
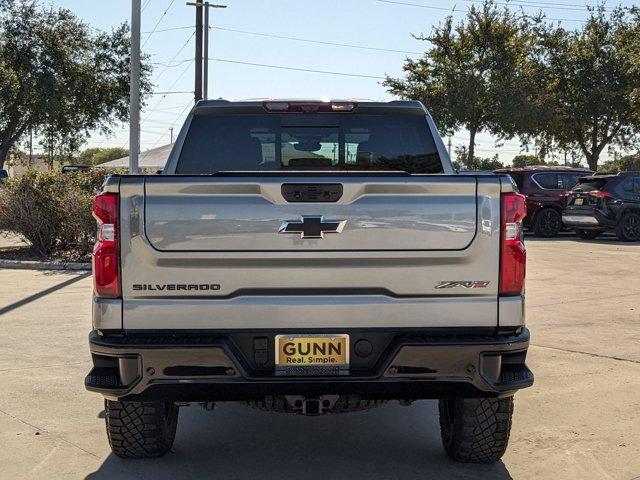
{"x":544,"y":188}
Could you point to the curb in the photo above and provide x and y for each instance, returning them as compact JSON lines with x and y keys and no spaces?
{"x":36,"y":265}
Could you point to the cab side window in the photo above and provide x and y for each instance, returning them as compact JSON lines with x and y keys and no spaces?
{"x":631,"y":188}
{"x":628,"y":185}
{"x":548,"y":181}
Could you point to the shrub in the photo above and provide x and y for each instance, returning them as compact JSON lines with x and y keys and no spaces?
{"x":52,"y":210}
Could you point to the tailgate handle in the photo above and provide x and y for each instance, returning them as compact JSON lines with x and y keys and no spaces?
{"x":312,"y":192}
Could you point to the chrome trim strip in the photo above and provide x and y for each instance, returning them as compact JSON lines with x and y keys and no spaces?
{"x":580,"y":219}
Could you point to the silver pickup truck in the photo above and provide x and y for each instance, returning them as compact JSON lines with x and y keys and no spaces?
{"x":309,"y":257}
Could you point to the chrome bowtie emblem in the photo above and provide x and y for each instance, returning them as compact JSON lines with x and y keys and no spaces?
{"x":312,"y":226}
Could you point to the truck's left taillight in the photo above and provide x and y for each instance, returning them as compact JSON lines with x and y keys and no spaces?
{"x":513,"y":254}
{"x":106,"y":265}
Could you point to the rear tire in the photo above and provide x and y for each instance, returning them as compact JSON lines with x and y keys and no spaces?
{"x":547,"y":223}
{"x":475,"y":430}
{"x":141,"y":429}
{"x":628,"y":228}
{"x":587,"y":234}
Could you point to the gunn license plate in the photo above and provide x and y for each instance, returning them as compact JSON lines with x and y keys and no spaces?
{"x":578,"y":201}
{"x":312,"y":351}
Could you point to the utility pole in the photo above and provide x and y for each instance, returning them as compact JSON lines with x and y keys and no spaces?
{"x":199,"y":58}
{"x":171,"y":135}
{"x":207,"y":30}
{"x":449,"y":147}
{"x":134,"y":93}
{"x":205,"y":70}
{"x":202,"y":48}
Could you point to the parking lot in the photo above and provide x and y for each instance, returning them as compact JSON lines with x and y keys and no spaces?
{"x":579,"y":421}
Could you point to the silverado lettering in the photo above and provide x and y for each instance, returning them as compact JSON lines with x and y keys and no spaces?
{"x":137,"y":287}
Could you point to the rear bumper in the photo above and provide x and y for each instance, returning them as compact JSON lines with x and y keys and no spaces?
{"x":580,"y":220}
{"x":212,"y":366}
{"x":587,"y":219}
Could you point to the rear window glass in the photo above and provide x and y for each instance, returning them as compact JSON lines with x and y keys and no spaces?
{"x":268,"y":142}
{"x":547,"y":180}
{"x":568,"y":180}
{"x":588,"y":184}
{"x":631,"y":185}
{"x":557,"y":180}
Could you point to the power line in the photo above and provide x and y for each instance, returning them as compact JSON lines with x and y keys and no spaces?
{"x":297,"y":39}
{"x":416,"y":5}
{"x":169,"y":110}
{"x":541,"y":2}
{"x":297,"y":69}
{"x":452,"y":10}
{"x":321,"y":42}
{"x":170,"y":29}
{"x":170,"y":89}
{"x":167,"y":93}
{"x":175,"y":56}
{"x":518,"y":3}
{"x":171,"y":92}
{"x":158,"y":22}
{"x":169,"y":129}
{"x":171,"y":64}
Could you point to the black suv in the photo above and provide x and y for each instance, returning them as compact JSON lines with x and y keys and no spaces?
{"x":605,"y":202}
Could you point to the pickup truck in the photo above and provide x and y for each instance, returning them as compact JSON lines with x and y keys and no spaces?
{"x":310,"y":257}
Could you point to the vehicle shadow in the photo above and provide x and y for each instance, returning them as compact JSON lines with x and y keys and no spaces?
{"x":236,"y":442}
{"x":73,"y":278}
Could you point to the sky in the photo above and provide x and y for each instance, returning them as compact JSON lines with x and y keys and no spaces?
{"x":251,"y":31}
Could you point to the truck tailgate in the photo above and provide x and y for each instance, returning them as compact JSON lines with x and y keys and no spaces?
{"x":209,"y":252}
{"x":244,"y":214}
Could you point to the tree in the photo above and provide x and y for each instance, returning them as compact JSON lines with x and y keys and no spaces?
{"x":477,"y":163}
{"x":522,"y":160}
{"x":626,"y":163}
{"x":59,"y":78}
{"x":592,"y":80}
{"x":97,"y":156}
{"x":476,"y":75}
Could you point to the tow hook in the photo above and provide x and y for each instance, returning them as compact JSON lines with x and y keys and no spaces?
{"x":312,"y":406}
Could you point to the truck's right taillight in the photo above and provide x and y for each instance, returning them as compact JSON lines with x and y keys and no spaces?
{"x":106,"y":269}
{"x":513,"y":255}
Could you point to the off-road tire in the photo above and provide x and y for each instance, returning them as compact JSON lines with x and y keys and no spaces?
{"x":344,"y":404}
{"x":628,"y":228}
{"x":475,"y":430}
{"x":141,"y":429}
{"x":547,"y":223}
{"x":587,"y":234}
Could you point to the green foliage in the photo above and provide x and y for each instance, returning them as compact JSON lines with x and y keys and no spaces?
{"x":476,"y":75}
{"x":520,"y":161}
{"x":52,"y":211}
{"x":627,"y":163}
{"x":97,"y":156}
{"x":485,"y":163}
{"x":59,"y":77}
{"x":462,"y":161}
{"x":591,"y":78}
